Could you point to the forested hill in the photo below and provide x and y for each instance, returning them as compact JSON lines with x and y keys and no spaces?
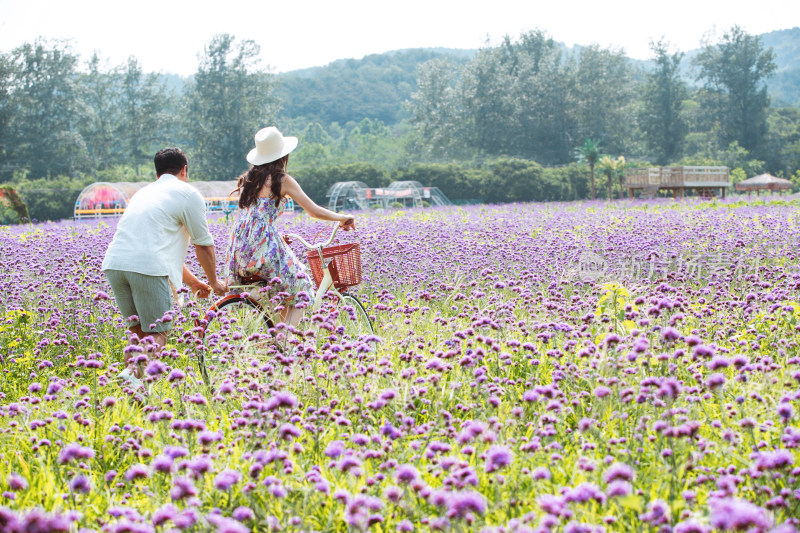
{"x":377,"y":85}
{"x":784,"y":86}
{"x":351,"y":89}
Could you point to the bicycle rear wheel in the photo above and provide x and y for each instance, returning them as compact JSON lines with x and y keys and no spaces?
{"x":353,"y":317}
{"x":234,"y":327}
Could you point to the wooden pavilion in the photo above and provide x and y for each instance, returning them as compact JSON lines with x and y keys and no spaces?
{"x":705,"y":181}
{"x":764,"y":182}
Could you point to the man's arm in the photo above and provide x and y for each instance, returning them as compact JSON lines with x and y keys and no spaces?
{"x":208,"y":261}
{"x":197,"y":287}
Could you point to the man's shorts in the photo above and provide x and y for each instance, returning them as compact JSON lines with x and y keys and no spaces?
{"x":147,"y":297}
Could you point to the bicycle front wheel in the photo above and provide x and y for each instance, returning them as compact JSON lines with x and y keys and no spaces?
{"x":353,"y":317}
{"x":236,"y":327}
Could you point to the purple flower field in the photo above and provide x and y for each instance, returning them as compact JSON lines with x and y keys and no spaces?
{"x":577,"y":367}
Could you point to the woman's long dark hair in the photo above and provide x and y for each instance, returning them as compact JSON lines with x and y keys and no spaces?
{"x":252,"y":181}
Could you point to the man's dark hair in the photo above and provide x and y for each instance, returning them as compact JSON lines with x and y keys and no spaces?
{"x":170,"y":161}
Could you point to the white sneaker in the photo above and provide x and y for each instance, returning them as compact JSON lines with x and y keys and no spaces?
{"x":128,"y":378}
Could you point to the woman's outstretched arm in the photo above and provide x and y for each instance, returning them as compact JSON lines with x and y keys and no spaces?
{"x":291,"y":188}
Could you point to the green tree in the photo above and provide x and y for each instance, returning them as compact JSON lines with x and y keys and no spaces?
{"x":6,"y":81}
{"x":43,"y":137}
{"x":734,"y":71}
{"x":541,"y":95}
{"x":604,"y":97}
{"x":100,"y":103}
{"x":589,"y":154}
{"x":663,"y":94}
{"x":437,"y":113}
{"x":229,"y":100}
{"x":782,"y":153}
{"x":142,"y":101}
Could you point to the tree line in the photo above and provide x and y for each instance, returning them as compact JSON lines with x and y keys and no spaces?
{"x":524,"y":104}
{"x":529,"y":99}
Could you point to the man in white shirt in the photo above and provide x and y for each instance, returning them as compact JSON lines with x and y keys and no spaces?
{"x":145,"y":261}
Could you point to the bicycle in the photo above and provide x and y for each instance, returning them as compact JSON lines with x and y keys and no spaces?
{"x":239,"y":322}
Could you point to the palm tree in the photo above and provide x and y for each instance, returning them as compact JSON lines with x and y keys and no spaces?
{"x":620,"y":173}
{"x":589,"y":154}
{"x":612,"y":168}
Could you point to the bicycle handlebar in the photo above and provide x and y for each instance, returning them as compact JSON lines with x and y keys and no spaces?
{"x":319,"y":244}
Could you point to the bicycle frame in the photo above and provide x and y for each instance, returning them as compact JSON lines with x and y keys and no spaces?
{"x":327,"y":279}
{"x":325,"y":285}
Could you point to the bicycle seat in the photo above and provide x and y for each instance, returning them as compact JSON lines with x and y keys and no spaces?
{"x":251,"y":280}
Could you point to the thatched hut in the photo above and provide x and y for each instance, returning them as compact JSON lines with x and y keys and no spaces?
{"x":764,"y":182}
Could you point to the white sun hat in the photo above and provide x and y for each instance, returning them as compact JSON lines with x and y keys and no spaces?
{"x":271,"y":145}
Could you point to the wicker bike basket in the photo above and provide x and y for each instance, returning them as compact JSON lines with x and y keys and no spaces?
{"x":345,"y":266}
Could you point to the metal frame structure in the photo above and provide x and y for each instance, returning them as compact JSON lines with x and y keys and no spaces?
{"x":355,"y":195}
{"x":105,"y":199}
{"x":347,"y":196}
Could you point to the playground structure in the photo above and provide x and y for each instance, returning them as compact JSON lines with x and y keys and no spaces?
{"x":104,"y":199}
{"x":705,"y":181}
{"x":355,"y":195}
{"x":10,"y":199}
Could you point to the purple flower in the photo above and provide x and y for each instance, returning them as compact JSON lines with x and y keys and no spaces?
{"x":785,"y":411}
{"x":74,"y":451}
{"x":289,"y":431}
{"x":691,"y":526}
{"x":541,"y":473}
{"x":281,"y":399}
{"x":737,"y":515}
{"x":579,"y":527}
{"x":16,"y":482}
{"x":393,"y":493}
{"x":182,"y":488}
{"x":226,"y":479}
{"x":585,"y":492}
{"x":390,"y":431}
{"x":164,"y":514}
{"x":498,"y":457}
{"x":278,"y":491}
{"x":243,"y":514}
{"x":715,"y":380}
{"x":670,"y":334}
{"x":138,"y":471}
{"x":463,"y":503}
{"x":162,"y":463}
{"x":175,"y":452}
{"x":155,"y":368}
{"x":208,"y":437}
{"x":226,"y":525}
{"x":530,"y":396}
{"x":199,"y":465}
{"x":601,"y":391}
{"x":551,"y":504}
{"x":658,"y":512}
{"x":35,"y":521}
{"x":405,"y":526}
{"x":618,"y":488}
{"x":774,"y":460}
{"x":176,"y":375}
{"x":187,"y":519}
{"x":80,"y":484}
{"x":334,"y":449}
{"x":618,"y":471}
{"x":406,"y":474}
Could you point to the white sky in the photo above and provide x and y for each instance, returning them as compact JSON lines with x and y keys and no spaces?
{"x":168,"y":36}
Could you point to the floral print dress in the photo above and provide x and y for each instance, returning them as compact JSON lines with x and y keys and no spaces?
{"x":256,"y":248}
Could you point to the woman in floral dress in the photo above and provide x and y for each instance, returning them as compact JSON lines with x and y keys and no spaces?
{"x":257,"y":248}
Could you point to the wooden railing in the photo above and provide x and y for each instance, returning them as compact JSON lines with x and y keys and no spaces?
{"x":677,"y":177}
